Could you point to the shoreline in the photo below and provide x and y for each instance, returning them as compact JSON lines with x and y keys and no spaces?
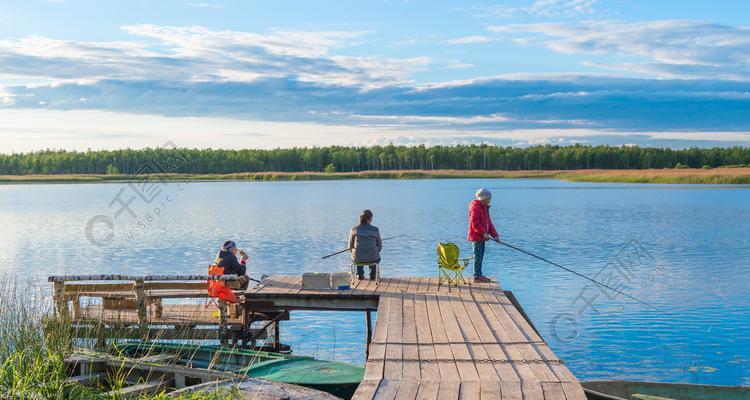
{"x":661,"y":176}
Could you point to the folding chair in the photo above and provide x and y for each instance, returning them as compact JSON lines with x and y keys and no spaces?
{"x":354,"y":266}
{"x":450,"y":267}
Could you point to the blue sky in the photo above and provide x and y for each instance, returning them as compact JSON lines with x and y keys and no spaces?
{"x":107,"y":74}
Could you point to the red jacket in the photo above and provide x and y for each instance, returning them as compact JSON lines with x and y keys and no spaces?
{"x":480,"y":221}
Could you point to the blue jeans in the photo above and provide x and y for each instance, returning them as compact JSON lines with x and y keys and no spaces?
{"x":478,"y":257}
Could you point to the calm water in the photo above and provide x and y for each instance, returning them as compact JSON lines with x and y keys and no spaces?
{"x":684,"y":248}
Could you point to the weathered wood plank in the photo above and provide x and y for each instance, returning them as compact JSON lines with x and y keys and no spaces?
{"x":428,"y":390}
{"x":411,"y":370}
{"x":394,"y":347}
{"x":443,"y":353}
{"x":553,"y":391}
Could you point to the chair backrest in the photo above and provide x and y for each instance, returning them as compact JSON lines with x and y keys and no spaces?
{"x":447,"y":254}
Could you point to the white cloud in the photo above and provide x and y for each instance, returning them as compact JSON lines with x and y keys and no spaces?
{"x":472,"y":39}
{"x":430,"y":119}
{"x":198,"y":54}
{"x":673,"y":48}
{"x":6,"y":99}
{"x":24,"y":130}
{"x":205,"y":5}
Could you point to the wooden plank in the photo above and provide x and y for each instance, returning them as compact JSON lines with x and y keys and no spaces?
{"x":444,"y":354}
{"x":573,"y":391}
{"x":553,"y":391}
{"x":469,"y":391}
{"x":87,"y":379}
{"x":496,"y":352}
{"x":387,"y":390}
{"x":375,"y":369}
{"x":449,"y":390}
{"x":490,"y":390}
{"x":428,"y":362}
{"x":471,"y":324}
{"x":461,"y":354}
{"x":511,"y":390}
{"x":150,"y":387}
{"x":409,"y":338}
{"x":532,"y":390}
{"x":394,"y":348}
{"x":408,"y":390}
{"x":366,"y":390}
{"x":502,"y":324}
{"x":428,"y":390}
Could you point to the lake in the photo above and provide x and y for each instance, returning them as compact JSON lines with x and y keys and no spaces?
{"x":685,"y":249}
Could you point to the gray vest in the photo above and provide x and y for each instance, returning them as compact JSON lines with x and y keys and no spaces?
{"x":366,"y":238}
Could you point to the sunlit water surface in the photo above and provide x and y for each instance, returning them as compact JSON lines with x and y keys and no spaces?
{"x":685,"y":249}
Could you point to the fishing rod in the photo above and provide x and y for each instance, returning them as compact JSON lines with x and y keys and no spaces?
{"x":345,"y":250}
{"x":574,"y":272}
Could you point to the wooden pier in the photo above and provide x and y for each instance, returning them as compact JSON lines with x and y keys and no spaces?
{"x":437,"y":342}
{"x":428,"y":342}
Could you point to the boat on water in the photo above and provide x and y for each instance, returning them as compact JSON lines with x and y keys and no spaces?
{"x":337,"y":378}
{"x":627,"y":390}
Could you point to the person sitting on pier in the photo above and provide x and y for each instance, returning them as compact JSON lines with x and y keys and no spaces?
{"x":227,"y":259}
{"x":365,"y":245}
{"x":481,"y":229}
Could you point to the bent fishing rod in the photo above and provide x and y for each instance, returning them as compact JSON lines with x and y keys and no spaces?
{"x":345,"y":250}
{"x":574,"y":272}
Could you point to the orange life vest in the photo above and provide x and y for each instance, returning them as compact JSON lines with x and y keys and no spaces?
{"x":216,"y":288}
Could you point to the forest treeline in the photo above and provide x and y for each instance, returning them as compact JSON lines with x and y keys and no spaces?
{"x":353,"y":159}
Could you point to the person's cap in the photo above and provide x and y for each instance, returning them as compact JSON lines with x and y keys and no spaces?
{"x":228,"y":245}
{"x":483,"y":194}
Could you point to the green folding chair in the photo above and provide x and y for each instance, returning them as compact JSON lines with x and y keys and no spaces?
{"x":450,"y":267}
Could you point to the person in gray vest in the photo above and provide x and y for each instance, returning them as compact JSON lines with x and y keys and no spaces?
{"x":365,"y":244}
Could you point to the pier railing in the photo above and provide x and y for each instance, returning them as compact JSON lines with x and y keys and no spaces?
{"x":136,"y":300}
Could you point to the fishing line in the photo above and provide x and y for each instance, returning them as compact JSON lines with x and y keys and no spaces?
{"x":345,"y":250}
{"x":576,"y":273}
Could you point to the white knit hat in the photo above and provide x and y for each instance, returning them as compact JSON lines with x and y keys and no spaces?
{"x":483,"y":194}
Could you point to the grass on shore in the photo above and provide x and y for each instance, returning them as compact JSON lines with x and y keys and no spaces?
{"x":33,"y":347}
{"x":675,"y":176}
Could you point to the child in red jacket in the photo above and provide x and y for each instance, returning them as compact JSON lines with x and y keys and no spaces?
{"x":480,"y":229}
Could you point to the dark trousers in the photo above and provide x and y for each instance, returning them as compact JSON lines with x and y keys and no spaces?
{"x":361,"y":271}
{"x":478,"y":257}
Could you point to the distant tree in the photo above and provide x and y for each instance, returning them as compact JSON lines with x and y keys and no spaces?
{"x":389,"y":157}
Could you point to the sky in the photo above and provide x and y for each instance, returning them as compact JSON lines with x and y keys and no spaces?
{"x":106,"y":74}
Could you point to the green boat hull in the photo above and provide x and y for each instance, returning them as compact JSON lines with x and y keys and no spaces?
{"x":337,"y":378}
{"x":626,"y":390}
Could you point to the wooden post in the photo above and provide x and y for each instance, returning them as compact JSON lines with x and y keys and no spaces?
{"x":140,"y":303}
{"x":157,"y":309}
{"x":76,"y":307}
{"x":368,"y":317}
{"x":223,"y":330}
{"x":61,"y":303}
{"x":276,"y":338}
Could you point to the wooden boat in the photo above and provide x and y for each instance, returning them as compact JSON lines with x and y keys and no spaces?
{"x":337,"y":378}
{"x":125,"y":378}
{"x":626,"y":390}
